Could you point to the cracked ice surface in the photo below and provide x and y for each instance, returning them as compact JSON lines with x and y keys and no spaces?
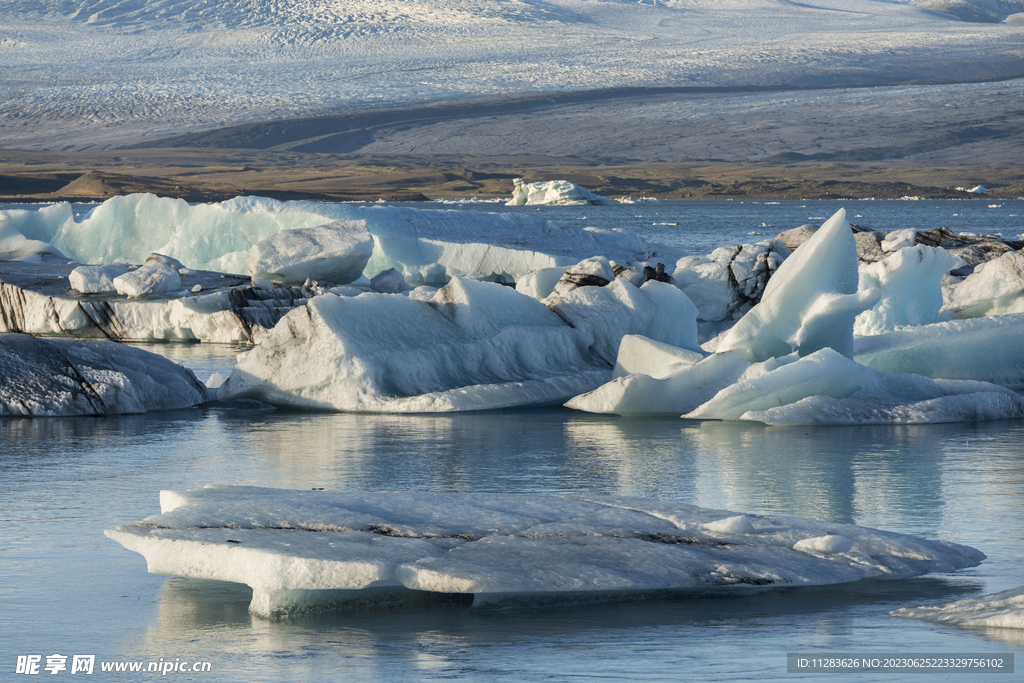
{"x":307,"y":550}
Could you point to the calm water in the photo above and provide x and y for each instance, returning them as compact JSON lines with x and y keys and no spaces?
{"x":65,"y":588}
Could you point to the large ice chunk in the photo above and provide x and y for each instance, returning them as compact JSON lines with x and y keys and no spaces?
{"x":910,"y":283}
{"x":811,"y":301}
{"x":96,"y":279}
{"x":994,"y":288}
{"x":153,"y":278}
{"x":332,"y":254}
{"x":474,"y":345}
{"x":986,"y":349}
{"x":998,"y":610}
{"x":503,"y":548}
{"x":551,"y":193}
{"x":50,"y":377}
{"x":601,"y":316}
{"x":729,"y":281}
{"x":828,"y":388}
{"x":14,"y":246}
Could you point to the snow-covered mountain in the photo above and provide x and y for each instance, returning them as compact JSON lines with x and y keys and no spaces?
{"x":98,"y":73}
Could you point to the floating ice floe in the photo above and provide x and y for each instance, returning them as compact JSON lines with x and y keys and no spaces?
{"x":52,"y":377}
{"x":551,"y":193}
{"x":998,"y":610}
{"x":427,"y":247}
{"x":304,"y":551}
{"x":473,"y":345}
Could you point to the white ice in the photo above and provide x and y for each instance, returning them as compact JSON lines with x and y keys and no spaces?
{"x":14,"y":246}
{"x":910,"y":283}
{"x":552,"y":193}
{"x":788,"y":361}
{"x":474,"y":345}
{"x":987,"y":349}
{"x":331,"y":254}
{"x":811,"y":301}
{"x":55,"y":377}
{"x":994,"y":288}
{"x":726,"y":283}
{"x":425,"y":246}
{"x":96,"y":279}
{"x":153,"y":278}
{"x":309,"y":550}
{"x":998,"y":610}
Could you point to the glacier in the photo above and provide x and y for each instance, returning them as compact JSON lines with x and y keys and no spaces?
{"x":59,"y":377}
{"x":307,"y":551}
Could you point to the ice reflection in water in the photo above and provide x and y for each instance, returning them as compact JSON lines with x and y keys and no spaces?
{"x":63,"y":481}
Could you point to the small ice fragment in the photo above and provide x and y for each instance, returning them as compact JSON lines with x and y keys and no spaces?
{"x":740,"y":524}
{"x":197,"y":288}
{"x":826,"y":545}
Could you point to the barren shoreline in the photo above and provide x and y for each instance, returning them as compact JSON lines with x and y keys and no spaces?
{"x":217,"y":175}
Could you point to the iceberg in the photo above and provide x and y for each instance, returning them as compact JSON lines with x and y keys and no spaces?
{"x":601,"y":316}
{"x":428,"y":247}
{"x":57,"y":377}
{"x":503,"y":549}
{"x":811,"y":301}
{"x":998,"y":610}
{"x":551,"y":193}
{"x":331,"y":254}
{"x":788,"y":361}
{"x":828,"y":388}
{"x":473,"y":346}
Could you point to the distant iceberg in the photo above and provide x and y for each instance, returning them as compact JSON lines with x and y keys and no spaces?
{"x":502,"y":550}
{"x":552,"y":193}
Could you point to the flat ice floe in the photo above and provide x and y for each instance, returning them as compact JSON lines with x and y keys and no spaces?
{"x":311,"y":550}
{"x":53,"y":377}
{"x":998,"y":610}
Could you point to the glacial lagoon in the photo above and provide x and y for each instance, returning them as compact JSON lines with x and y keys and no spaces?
{"x":65,"y":588}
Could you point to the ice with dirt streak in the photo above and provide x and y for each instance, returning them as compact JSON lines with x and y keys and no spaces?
{"x":310,"y":550}
{"x":59,"y":377}
{"x":474,"y":345}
